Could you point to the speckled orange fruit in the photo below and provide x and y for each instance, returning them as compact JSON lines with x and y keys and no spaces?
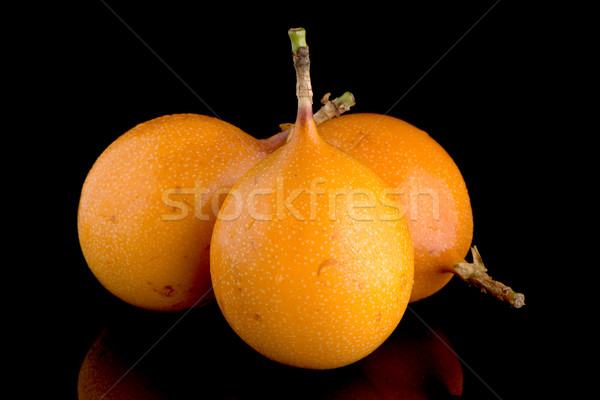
{"x":148,"y":207}
{"x":424,"y":179}
{"x":310,"y":266}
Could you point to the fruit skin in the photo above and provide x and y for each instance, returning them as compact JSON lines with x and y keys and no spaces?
{"x":299,"y":287}
{"x":431,"y":189}
{"x":144,"y":226}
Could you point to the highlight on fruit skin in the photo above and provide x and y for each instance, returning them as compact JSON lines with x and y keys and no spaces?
{"x":424,"y":179}
{"x":149,"y":203}
{"x":306,"y":283}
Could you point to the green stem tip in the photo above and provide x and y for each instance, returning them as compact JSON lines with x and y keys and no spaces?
{"x":298,"y":38}
{"x":347,"y":99}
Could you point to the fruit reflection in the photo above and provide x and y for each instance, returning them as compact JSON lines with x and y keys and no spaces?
{"x":201,"y":357}
{"x":418,"y":362}
{"x":105,"y":374}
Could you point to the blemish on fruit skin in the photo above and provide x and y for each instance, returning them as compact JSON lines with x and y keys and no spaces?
{"x":362,"y":136}
{"x":324,"y":264}
{"x":167,"y":291}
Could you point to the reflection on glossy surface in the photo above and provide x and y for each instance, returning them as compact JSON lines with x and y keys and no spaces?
{"x":103,"y":373}
{"x":416,"y":363}
{"x":201,"y":357}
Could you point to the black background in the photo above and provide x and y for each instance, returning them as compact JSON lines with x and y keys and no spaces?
{"x":478,"y":76}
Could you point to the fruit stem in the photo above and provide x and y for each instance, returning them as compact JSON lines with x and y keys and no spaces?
{"x":302,"y":67}
{"x":329,"y":110}
{"x":333,"y":109}
{"x":476,"y":274}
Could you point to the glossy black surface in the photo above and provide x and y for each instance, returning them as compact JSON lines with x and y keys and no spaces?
{"x":468,"y":73}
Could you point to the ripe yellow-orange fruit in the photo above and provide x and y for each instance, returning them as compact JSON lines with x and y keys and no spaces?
{"x":310,"y":266}
{"x":307,"y":290}
{"x":424,"y":179}
{"x":148,"y":207}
